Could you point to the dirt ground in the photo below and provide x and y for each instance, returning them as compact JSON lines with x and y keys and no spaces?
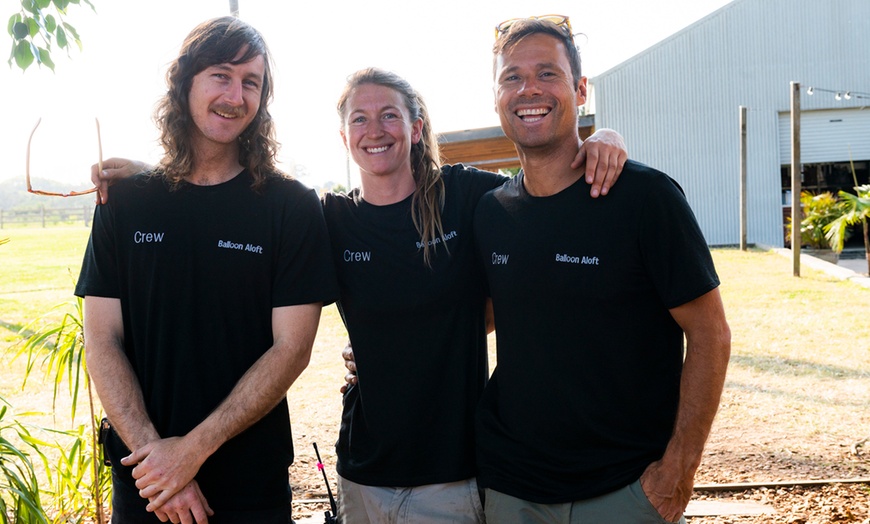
{"x":730,"y":458}
{"x":765,"y":432}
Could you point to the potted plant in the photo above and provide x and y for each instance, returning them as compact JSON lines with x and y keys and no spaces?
{"x":819,"y":211}
{"x":853,"y":209}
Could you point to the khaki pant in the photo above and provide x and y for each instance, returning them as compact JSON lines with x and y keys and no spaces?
{"x":455,"y":502}
{"x":628,"y":505}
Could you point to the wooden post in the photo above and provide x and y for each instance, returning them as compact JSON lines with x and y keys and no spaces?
{"x":796,"y":177}
{"x":42,"y":213}
{"x":742,"y":178}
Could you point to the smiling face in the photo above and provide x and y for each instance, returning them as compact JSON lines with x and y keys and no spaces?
{"x":378,"y":131}
{"x":535,"y":94}
{"x":224,"y":100}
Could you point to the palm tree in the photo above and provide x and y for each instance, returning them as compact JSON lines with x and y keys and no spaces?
{"x":856,"y":208}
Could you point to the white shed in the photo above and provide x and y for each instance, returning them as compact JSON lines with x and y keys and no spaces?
{"x":677,"y":104}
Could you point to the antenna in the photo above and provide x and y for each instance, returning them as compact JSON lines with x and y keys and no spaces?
{"x":330,"y":517}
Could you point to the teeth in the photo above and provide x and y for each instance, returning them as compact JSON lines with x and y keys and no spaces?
{"x":225,"y":115}
{"x":374,"y":150}
{"x":532,"y":112}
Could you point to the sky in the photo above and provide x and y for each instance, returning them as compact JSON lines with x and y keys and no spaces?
{"x":442,"y":47}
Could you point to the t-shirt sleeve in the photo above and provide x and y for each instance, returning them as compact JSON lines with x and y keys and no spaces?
{"x":305,"y":271}
{"x":99,"y":273}
{"x":474,"y":182}
{"x":674,"y":247}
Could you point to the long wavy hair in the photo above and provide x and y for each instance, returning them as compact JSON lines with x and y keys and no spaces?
{"x":223,"y":40}
{"x":428,"y":199}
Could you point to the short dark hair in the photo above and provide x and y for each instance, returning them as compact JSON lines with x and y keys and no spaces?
{"x":216,"y":41}
{"x":523,"y":28}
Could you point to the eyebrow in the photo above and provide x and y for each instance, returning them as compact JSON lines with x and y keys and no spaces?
{"x":381,"y":110}
{"x":538,"y":66}
{"x":226,"y":66}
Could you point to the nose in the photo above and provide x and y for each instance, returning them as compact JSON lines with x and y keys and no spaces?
{"x":233,"y":93}
{"x":374,"y":129}
{"x":529,"y":87}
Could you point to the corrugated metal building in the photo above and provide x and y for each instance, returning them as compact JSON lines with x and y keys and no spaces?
{"x":677,"y":104}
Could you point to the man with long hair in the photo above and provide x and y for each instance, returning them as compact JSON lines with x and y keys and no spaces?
{"x":203,"y":283}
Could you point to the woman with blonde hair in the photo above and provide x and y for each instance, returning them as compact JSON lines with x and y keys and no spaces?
{"x":414,"y":302}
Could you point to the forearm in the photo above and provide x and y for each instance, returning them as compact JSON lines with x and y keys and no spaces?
{"x":668,"y":482}
{"x":701,"y":387}
{"x":263,"y":386}
{"x":117,"y":386}
{"x":165,"y":466}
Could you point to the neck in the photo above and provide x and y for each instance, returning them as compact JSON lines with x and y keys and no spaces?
{"x":547,"y":170}
{"x":214,"y":165}
{"x":386,"y":190}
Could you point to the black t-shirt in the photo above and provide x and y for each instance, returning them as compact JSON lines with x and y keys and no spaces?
{"x":585,"y":393}
{"x":198,"y":271}
{"x":418,"y":336}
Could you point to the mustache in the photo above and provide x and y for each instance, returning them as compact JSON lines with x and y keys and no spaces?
{"x":227,"y":110}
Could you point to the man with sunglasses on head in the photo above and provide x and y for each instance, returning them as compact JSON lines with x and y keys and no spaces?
{"x":592,"y":414}
{"x":203,"y":283}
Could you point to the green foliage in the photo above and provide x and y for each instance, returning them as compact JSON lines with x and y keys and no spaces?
{"x":74,"y":496}
{"x":60,"y":347}
{"x":19,"y":487}
{"x":818,"y":212}
{"x":338,"y":188}
{"x":78,"y":482}
{"x":37,"y":27}
{"x":855,"y":209}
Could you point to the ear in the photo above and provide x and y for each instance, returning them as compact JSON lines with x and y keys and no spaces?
{"x":581,"y":91}
{"x":417,"y":131}
{"x":343,"y":137}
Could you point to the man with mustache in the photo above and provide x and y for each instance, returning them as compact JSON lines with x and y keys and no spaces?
{"x":203,"y":283}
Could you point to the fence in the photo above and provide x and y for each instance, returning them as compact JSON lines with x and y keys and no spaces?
{"x":47,"y":216}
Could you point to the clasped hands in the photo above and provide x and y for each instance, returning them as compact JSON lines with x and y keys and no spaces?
{"x":164,"y":472}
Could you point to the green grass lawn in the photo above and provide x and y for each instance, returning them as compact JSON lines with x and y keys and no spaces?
{"x":39,"y":267}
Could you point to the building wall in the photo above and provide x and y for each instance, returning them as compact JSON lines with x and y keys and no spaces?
{"x":677,"y":103}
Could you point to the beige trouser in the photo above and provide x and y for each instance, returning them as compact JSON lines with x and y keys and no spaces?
{"x":628,"y":505}
{"x":455,"y":502}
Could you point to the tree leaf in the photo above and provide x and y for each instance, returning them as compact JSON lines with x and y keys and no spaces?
{"x":45,"y":58}
{"x":61,"y":38}
{"x":29,"y":6}
{"x":50,"y":23}
{"x":14,"y":19}
{"x":71,"y":30}
{"x":23,"y":54}
{"x":43,"y":4}
{"x":75,"y":35}
{"x":32,"y":26}
{"x":19,"y":30}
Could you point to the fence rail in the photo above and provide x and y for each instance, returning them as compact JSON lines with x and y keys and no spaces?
{"x":45,"y":217}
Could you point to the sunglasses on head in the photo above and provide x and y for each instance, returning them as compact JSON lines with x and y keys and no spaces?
{"x":559,"y":20}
